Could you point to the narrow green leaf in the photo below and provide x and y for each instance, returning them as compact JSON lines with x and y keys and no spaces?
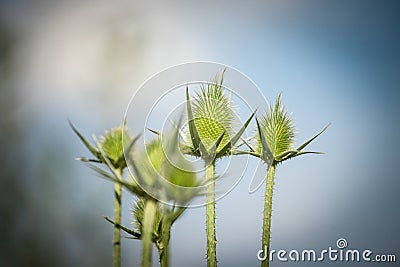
{"x":120,"y":226}
{"x":153,"y":131}
{"x":285,"y":155}
{"x":118,"y":178}
{"x":186,"y":149}
{"x":266,"y":153}
{"x":299,"y":153}
{"x":194,"y":135}
{"x":307,"y":152}
{"x":210,"y":153}
{"x":177,"y":213}
{"x":218,"y":142}
{"x":312,"y":139}
{"x":102,"y":173}
{"x":129,"y":185}
{"x":235,"y":138}
{"x":248,"y":145}
{"x":242,"y":152}
{"x":127,"y":149}
{"x":91,"y":148}
{"x":83,"y":159}
{"x":204,"y":153}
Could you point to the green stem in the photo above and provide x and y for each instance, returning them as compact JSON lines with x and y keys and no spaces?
{"x":166,"y":235}
{"x":117,"y":219}
{"x":267,"y":214}
{"x":210,"y":216}
{"x":147,"y":234}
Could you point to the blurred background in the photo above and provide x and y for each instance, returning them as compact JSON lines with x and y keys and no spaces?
{"x":335,"y":61}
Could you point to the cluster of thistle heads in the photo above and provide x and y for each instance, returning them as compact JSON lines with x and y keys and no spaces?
{"x":160,"y":172}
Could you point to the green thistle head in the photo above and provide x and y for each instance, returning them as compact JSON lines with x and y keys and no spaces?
{"x":165,"y":215}
{"x":211,"y":121}
{"x":278,"y":129}
{"x":162,"y":172}
{"x":276,"y":134}
{"x":112,"y":145}
{"x":138,"y":216}
{"x":213,"y":114}
{"x":110,"y":149}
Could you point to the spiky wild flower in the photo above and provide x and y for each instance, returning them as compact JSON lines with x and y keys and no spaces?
{"x":211,"y":121}
{"x":163,"y":173}
{"x":213,"y":114}
{"x":167,"y":178}
{"x":278,"y":129}
{"x":112,"y":143}
{"x":274,"y":144}
{"x":110,"y":151}
{"x":165,"y":216}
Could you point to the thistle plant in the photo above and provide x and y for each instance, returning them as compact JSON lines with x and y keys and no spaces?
{"x":211,"y":121}
{"x":167,"y":178}
{"x":164,"y":182}
{"x":110,"y":151}
{"x":165,"y":217}
{"x":274,"y":145}
{"x":160,"y":175}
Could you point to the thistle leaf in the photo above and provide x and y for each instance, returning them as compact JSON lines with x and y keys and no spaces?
{"x":312,"y":139}
{"x":227,"y":148}
{"x":218,"y":142}
{"x":195,"y":138}
{"x":125,"y":229}
{"x":266,"y":153}
{"x":247,"y":144}
{"x":286,"y":155}
{"x":177,"y":213}
{"x":127,"y":151}
{"x":91,"y":148}
{"x":83,"y":159}
{"x":153,"y":131}
{"x":102,"y":173}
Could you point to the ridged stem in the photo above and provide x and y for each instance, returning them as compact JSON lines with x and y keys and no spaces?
{"x":150,"y":207}
{"x":266,"y":234}
{"x":210,"y":216}
{"x":166,"y":234}
{"x":117,"y":220}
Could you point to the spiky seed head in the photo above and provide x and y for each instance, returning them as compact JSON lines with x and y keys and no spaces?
{"x":168,"y":176}
{"x":112,"y":143}
{"x":278,"y":129}
{"x":213,"y":113}
{"x":138,"y":216}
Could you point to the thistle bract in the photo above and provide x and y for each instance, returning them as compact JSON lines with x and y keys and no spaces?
{"x":163,"y":173}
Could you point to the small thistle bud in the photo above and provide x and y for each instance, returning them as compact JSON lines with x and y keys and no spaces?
{"x":278,"y":129}
{"x":164,"y":174}
{"x":138,"y":216}
{"x":276,"y":134}
{"x":112,"y":143}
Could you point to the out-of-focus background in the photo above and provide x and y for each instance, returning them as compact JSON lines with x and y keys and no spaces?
{"x":335,"y":61}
